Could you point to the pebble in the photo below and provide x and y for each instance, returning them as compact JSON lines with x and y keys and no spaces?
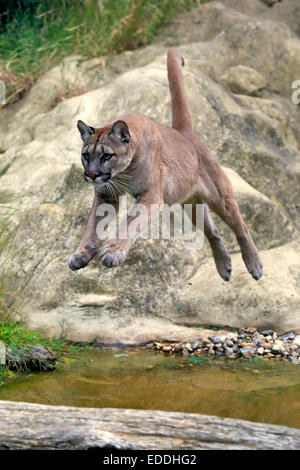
{"x":229,"y":351}
{"x":233,"y":356}
{"x":196,"y":345}
{"x":232,"y":336}
{"x":297,"y":341}
{"x":267,"y":332}
{"x":287,"y":336}
{"x":206,"y":341}
{"x":215,"y":339}
{"x":247,"y":351}
{"x":251,"y":330}
{"x":246,"y":344}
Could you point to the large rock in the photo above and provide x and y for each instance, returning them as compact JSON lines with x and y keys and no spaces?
{"x":163,"y":290}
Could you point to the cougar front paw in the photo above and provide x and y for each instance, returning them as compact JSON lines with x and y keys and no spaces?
{"x":77,"y":261}
{"x":114,"y":253}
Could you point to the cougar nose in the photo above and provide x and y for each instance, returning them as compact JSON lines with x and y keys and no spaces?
{"x":93,"y":175}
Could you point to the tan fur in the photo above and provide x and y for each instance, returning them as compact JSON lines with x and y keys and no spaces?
{"x":161,"y":165}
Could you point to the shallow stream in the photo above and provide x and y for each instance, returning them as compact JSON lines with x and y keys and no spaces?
{"x":261,"y":390}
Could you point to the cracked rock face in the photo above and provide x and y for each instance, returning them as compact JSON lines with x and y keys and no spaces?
{"x":239,"y":69}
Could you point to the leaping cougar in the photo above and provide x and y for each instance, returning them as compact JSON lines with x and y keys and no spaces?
{"x":158,"y":164}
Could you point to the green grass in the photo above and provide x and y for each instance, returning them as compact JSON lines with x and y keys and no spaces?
{"x":14,"y":334}
{"x":42,"y":33}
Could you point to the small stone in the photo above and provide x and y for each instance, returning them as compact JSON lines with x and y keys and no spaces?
{"x":260,"y":338}
{"x":149,"y":346}
{"x":215,"y":339}
{"x":251,"y":330}
{"x":232,"y":336}
{"x":206,"y":341}
{"x":157,"y":345}
{"x":229,"y":351}
{"x":267,"y":332}
{"x":177,"y":347}
{"x":188,"y":347}
{"x":233,"y":356}
{"x":196,"y":345}
{"x":287,"y":336}
{"x":278,"y":347}
{"x":242,"y":336}
{"x":167,"y":348}
{"x":270,"y":355}
{"x":247,"y":351}
{"x":265,"y":345}
{"x":297,"y":341}
{"x":260,"y":351}
{"x":185,"y":352}
{"x":247,"y":345}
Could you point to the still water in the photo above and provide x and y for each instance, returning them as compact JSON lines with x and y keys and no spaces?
{"x":263,"y":391}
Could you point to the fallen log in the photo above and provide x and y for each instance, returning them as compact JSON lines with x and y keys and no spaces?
{"x":34,"y":426}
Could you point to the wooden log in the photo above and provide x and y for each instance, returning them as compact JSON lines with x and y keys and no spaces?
{"x":34,"y":426}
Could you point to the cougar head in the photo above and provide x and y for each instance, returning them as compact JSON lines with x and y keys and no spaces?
{"x":105,"y":152}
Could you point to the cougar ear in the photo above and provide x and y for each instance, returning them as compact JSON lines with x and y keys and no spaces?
{"x":85,"y":130}
{"x":120,"y":131}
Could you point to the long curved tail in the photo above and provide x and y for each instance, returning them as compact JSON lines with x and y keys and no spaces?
{"x":181,"y":115}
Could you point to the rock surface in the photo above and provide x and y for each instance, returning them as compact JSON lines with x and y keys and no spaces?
{"x":32,"y":426}
{"x":163,"y":291}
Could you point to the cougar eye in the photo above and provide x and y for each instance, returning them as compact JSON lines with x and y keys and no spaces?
{"x":86,"y":156}
{"x":107,"y":156}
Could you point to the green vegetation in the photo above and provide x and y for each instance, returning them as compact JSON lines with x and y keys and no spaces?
{"x":15,"y":335}
{"x":37,"y":34}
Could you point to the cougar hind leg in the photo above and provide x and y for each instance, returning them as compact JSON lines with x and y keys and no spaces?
{"x":220,"y":254}
{"x":227,"y":208}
